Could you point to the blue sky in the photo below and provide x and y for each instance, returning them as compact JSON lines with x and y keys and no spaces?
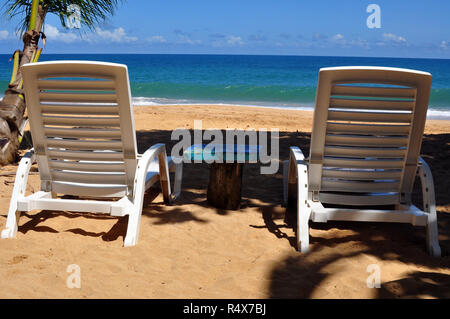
{"x":413,"y":28}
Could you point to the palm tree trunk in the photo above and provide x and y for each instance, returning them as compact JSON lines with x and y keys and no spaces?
{"x":13,"y":104}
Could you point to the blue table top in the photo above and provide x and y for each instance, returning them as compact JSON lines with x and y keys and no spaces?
{"x":221,"y":153}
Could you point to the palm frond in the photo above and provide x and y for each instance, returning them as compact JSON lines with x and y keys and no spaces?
{"x":93,"y":12}
{"x":21,"y":8}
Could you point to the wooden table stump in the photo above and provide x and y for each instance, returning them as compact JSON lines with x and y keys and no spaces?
{"x":225,"y":179}
{"x":224,"y":188}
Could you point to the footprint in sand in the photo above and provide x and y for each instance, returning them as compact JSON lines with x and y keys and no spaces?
{"x":17,"y":259}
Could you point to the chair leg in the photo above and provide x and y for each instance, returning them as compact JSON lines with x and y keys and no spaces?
{"x":296,"y":171}
{"x":178,"y":179}
{"x":285,"y":182}
{"x":303,"y":215}
{"x":134,"y":220}
{"x":164,"y":178}
{"x":430,"y":207}
{"x":20,"y":184}
{"x":12,"y":223}
{"x":432,"y":239}
{"x":289,"y":182}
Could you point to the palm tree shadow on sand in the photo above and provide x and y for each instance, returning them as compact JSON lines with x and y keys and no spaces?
{"x":300,"y":275}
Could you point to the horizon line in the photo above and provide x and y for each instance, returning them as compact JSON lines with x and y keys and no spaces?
{"x":247,"y":54}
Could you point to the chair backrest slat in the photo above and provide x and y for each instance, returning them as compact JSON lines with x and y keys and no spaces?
{"x":371,"y":91}
{"x":80,"y":109}
{"x":77,"y":97}
{"x":82,"y":132}
{"x":105,"y":85}
{"x":373,"y":104}
{"x":378,"y":129}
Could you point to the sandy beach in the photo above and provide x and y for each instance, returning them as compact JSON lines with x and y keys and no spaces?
{"x":191,"y":250}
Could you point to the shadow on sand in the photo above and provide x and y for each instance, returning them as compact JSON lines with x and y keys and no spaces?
{"x":298,"y":275}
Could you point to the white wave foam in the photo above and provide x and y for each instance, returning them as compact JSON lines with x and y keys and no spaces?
{"x":149,"y":101}
{"x":438,"y":114}
{"x":144,"y":101}
{"x":433,"y":113}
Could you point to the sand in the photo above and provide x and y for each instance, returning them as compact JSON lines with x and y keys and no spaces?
{"x":191,"y":250}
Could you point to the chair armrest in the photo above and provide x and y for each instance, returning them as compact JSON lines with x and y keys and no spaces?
{"x":23,"y":170}
{"x":297,"y":154}
{"x":30,"y":155}
{"x":19,"y":189}
{"x":298,"y":166}
{"x":157,"y":150}
{"x":150,"y":154}
{"x":294,"y":169}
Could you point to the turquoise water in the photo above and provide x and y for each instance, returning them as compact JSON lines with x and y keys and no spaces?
{"x":275,"y":81}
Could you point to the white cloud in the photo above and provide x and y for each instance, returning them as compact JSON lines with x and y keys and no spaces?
{"x":100,"y":35}
{"x":187,"y":40}
{"x":319,"y":36}
{"x":257,"y":38}
{"x":157,"y":39}
{"x":360,"y":43}
{"x":340,"y":40}
{"x":444,"y":45}
{"x":181,"y":32}
{"x":185,"y":37}
{"x":338,"y":37}
{"x":233,"y":40}
{"x":51,"y":32}
{"x":4,"y":34}
{"x":394,"y":38}
{"x":116,"y":35}
{"x":227,"y":41}
{"x":54,"y":34}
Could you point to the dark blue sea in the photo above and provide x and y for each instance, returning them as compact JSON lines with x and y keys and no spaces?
{"x":271,"y":81}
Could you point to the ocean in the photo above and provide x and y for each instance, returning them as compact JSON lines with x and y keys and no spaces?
{"x":252,"y":80}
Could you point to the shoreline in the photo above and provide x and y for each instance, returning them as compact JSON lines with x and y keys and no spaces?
{"x":433,"y":113}
{"x":262,"y":107}
{"x":436,"y":113}
{"x":213,"y":116}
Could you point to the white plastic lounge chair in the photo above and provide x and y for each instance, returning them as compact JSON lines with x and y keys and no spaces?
{"x":84,"y":142}
{"x":365,"y":146}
